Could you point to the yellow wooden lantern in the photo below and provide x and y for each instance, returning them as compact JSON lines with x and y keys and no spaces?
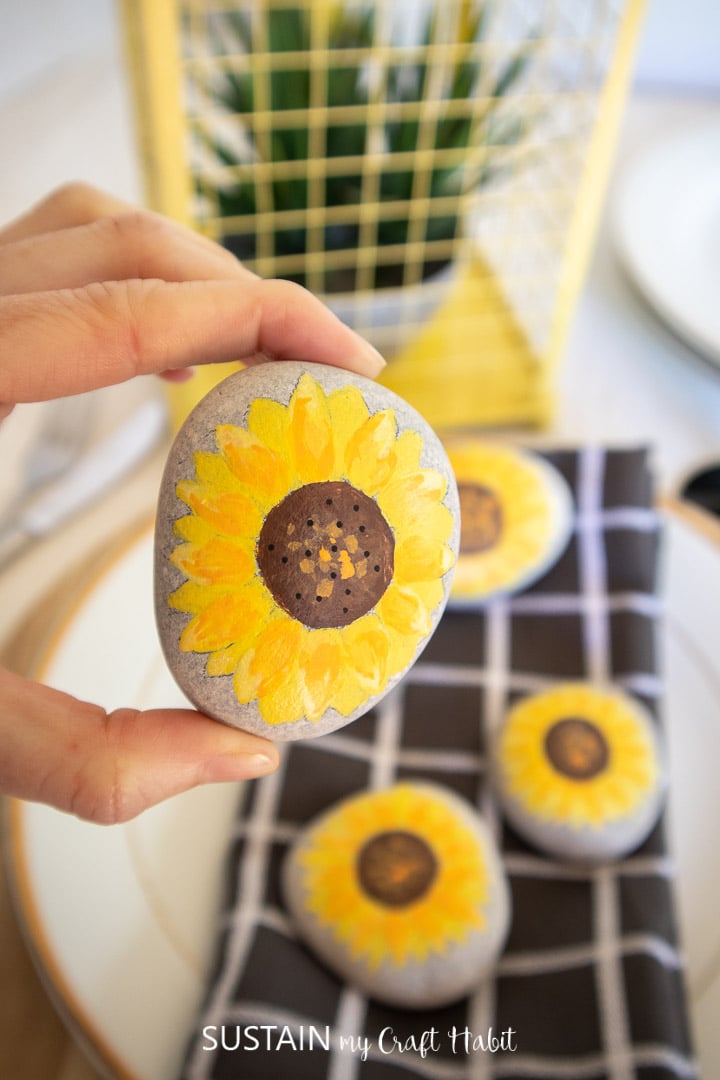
{"x":434,"y":170}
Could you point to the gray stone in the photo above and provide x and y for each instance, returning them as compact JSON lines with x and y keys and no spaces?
{"x":307,"y":530}
{"x":517,"y":517}
{"x":418,"y":882}
{"x":580,"y":772}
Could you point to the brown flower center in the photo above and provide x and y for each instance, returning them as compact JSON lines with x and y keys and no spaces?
{"x":396,"y":868}
{"x":481,"y":516}
{"x":577,"y":748}
{"x":326,"y":553}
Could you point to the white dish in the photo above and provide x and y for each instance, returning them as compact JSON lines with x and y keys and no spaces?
{"x":667,"y":232}
{"x":121,"y":920}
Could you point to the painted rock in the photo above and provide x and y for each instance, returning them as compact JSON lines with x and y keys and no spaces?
{"x":517,"y":516}
{"x":580,"y":772}
{"x":402,"y":893}
{"x":306,"y":534}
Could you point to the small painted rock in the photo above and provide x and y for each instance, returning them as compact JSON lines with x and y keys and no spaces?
{"x":402,"y":893}
{"x":517,"y":516}
{"x":306,"y":533}
{"x":580,"y":772}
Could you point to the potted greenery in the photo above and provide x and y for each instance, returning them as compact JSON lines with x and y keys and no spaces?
{"x":409,"y":122}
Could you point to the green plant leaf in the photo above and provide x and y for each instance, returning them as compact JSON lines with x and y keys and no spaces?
{"x":289,"y":88}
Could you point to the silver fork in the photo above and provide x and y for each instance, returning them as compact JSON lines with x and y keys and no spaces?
{"x":62,"y":437}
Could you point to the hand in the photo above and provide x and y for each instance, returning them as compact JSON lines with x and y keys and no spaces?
{"x":93,"y":292}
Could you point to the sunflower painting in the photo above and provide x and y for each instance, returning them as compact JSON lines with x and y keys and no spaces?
{"x":580,"y":770}
{"x":516,"y":514}
{"x":393,"y":886}
{"x":315,"y":550}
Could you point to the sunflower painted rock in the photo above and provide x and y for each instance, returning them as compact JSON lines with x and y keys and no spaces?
{"x":517,"y":516}
{"x":305,"y":541}
{"x":402,"y":893}
{"x":580,"y":772}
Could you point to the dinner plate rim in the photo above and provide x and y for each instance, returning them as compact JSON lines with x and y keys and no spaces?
{"x":634,"y":202}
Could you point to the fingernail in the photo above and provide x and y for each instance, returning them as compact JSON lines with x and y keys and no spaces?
{"x":372,"y":358}
{"x":259,"y":764}
{"x":239,"y":766}
{"x":178,"y":375}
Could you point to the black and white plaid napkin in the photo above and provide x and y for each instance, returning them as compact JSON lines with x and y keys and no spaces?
{"x":591,"y":982}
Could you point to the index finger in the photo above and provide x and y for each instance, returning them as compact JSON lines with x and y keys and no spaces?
{"x":73,"y":340}
{"x":68,"y":206}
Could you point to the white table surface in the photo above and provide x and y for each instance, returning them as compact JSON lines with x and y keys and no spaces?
{"x":626,"y":377}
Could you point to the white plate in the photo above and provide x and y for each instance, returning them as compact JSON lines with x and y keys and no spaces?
{"x":667,"y":231}
{"x":121,"y":919}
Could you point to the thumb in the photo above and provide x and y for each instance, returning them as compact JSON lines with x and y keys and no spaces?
{"x":108,"y":767}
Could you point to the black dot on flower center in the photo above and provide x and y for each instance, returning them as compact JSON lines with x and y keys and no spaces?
{"x":303,"y":558}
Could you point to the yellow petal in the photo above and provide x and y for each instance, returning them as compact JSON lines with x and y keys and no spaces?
{"x":348,"y":412}
{"x":231,"y":619}
{"x":283,"y":705}
{"x":321,"y":671}
{"x":219,"y":562}
{"x":403,"y":610}
{"x":265,"y":472}
{"x":408,"y":448}
{"x":367,"y":644}
{"x":194,"y":529}
{"x":274,"y":654}
{"x":429,"y":592}
{"x":477,"y":462}
{"x":418,"y":558}
{"x":370,"y":458}
{"x":350,"y":695}
{"x":212,"y":471}
{"x":268,"y":421}
{"x":401,"y":652}
{"x":413,"y":504}
{"x":231,"y":513}
{"x":311,"y":434}
{"x":224,"y":661}
{"x":193,"y":597}
{"x":244,"y":683}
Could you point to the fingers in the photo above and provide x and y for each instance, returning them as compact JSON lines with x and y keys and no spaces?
{"x":109,"y":768}
{"x":76,"y":204}
{"x":72,"y":204}
{"x":69,"y":341}
{"x":122,"y":247}
{"x":103,"y":283}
